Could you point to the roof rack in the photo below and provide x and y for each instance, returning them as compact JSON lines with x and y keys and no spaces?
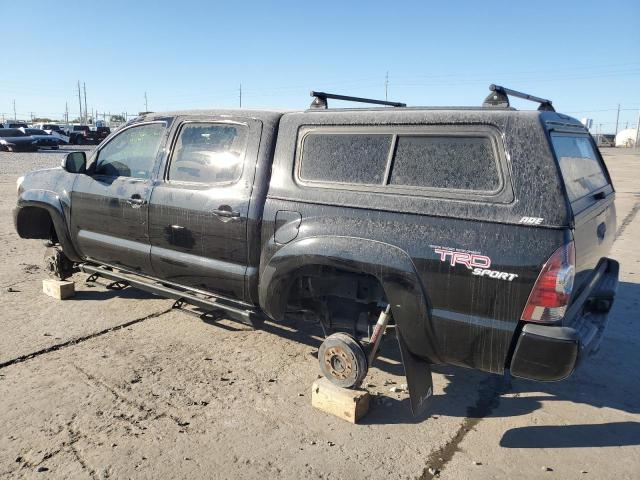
{"x":320,"y":100}
{"x":499,"y":97}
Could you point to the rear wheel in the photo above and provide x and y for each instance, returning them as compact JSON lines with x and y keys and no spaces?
{"x":342,"y":360}
{"x":56,"y":264}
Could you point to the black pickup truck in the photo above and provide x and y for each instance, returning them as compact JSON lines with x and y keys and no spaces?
{"x":85,"y":135}
{"x":478,"y":236}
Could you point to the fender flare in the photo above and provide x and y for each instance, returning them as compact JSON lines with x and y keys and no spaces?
{"x":391,"y":265}
{"x":53,"y":204}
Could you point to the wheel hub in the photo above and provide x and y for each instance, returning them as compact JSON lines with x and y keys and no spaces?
{"x":338,"y":362}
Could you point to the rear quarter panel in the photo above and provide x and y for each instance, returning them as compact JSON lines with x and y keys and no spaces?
{"x":471,"y":318}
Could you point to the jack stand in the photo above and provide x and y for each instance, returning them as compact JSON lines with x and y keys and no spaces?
{"x":178,"y":304}
{"x":92,"y":278}
{"x":117,"y":285}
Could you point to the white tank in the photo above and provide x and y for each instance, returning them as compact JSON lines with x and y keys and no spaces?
{"x":626,"y":138}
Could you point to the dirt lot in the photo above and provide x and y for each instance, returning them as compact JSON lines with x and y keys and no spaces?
{"x":119,"y":385}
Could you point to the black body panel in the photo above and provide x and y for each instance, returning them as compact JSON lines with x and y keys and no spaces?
{"x":193,"y":241}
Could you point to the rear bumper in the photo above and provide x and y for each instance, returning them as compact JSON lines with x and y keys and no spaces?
{"x":552,"y":352}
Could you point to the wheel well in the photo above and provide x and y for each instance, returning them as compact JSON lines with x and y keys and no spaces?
{"x":35,"y":222}
{"x":341,"y":299}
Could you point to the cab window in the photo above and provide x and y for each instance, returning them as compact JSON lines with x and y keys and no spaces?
{"x":210,"y":153}
{"x":132,"y":153}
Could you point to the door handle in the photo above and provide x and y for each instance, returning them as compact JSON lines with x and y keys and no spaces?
{"x":602,"y":229}
{"x":225,"y":211}
{"x":136,"y":201}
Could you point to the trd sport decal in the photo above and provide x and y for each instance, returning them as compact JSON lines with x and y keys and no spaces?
{"x":474,"y":261}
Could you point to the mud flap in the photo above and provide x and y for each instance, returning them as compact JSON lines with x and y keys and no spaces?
{"x":419,"y":382}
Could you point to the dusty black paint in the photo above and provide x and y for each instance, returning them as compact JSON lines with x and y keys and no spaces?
{"x":249,"y":240}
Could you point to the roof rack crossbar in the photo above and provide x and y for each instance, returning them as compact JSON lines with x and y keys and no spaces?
{"x":499,"y":97}
{"x":320,"y":100}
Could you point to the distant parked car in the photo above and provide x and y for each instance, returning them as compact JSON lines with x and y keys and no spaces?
{"x":48,"y":127}
{"x":605,"y":140}
{"x":15,"y":125}
{"x":45,"y":140}
{"x":14,"y":140}
{"x":54,"y":130}
{"x":83,"y":135}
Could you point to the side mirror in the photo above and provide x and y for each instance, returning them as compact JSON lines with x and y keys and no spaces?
{"x":75,"y":162}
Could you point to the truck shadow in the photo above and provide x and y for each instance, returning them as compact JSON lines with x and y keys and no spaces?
{"x":615,"y":434}
{"x":102,"y":294}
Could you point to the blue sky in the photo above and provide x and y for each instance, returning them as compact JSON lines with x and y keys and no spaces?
{"x":584,"y":55}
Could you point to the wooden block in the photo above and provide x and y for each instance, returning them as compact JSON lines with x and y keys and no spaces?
{"x":59,"y":289}
{"x":350,"y":405}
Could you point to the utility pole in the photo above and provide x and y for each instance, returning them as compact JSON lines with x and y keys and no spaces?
{"x":146,"y":105}
{"x":617,"y":118}
{"x":79,"y":101}
{"x":66,"y":113}
{"x":386,"y":85}
{"x":86,"y":114}
{"x":31,"y":115}
{"x":15,"y":117}
{"x":638,"y":131}
{"x":240,"y":91}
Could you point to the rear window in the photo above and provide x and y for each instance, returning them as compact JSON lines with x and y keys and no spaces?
{"x":463,"y":162}
{"x":581,"y":169}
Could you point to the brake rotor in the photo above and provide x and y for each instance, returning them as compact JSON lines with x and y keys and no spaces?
{"x":342,"y":360}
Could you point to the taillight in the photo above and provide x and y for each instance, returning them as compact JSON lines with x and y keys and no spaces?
{"x":551,"y":293}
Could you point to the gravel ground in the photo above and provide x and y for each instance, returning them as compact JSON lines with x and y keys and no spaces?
{"x":18,"y":163}
{"x":118,"y":385}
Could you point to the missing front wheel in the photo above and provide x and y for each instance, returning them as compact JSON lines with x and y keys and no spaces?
{"x":57,"y":265}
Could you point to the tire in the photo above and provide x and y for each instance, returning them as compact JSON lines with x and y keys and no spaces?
{"x":79,"y":140}
{"x":342,"y":360}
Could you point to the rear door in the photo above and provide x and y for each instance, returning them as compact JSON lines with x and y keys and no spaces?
{"x":110,"y":204}
{"x":591,"y":195}
{"x":199,"y":206}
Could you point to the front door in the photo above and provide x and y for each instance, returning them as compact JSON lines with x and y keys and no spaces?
{"x":198,"y":210}
{"x":110,"y":204}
